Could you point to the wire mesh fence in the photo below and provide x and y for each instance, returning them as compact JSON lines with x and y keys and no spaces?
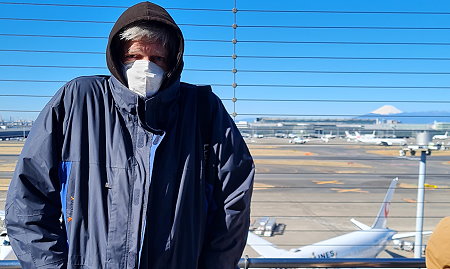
{"x":312,"y":71}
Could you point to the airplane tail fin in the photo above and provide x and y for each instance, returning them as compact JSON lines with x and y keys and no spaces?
{"x":381,"y":220}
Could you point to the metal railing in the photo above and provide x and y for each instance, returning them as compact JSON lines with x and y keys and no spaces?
{"x":304,"y":263}
{"x":332,"y":263}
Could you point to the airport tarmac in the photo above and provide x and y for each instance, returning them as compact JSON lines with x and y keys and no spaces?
{"x":315,"y":188}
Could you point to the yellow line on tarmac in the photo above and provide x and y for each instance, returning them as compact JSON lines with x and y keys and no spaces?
{"x":327,"y":182}
{"x":414,"y":186}
{"x":350,"y":172}
{"x":310,"y":163}
{"x":349,"y":190}
{"x":7,"y":167}
{"x":279,"y":152}
{"x":409,"y":200}
{"x":261,"y":186}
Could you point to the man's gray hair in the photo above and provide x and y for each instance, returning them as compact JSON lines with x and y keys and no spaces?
{"x":148,"y":32}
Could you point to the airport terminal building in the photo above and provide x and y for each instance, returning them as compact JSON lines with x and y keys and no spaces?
{"x":315,"y":127}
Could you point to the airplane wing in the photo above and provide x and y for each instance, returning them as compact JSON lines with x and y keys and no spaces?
{"x":265,"y":248}
{"x":405,"y":235}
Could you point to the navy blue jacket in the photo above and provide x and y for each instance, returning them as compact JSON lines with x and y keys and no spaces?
{"x":130,"y":179}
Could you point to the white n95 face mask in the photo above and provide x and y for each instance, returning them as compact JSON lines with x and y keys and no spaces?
{"x":144,"y":77}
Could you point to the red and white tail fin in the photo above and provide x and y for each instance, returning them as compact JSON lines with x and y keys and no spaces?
{"x":381,"y":220}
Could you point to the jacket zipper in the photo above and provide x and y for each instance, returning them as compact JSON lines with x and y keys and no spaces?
{"x":155,"y":142}
{"x":130,"y":202}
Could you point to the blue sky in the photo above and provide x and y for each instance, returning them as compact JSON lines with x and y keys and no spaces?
{"x":15,"y":20}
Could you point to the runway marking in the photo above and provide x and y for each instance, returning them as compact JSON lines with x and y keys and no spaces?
{"x":7,"y":167}
{"x":311,"y":163}
{"x":11,"y":148}
{"x":261,"y":186}
{"x":262,"y":170}
{"x":349,"y":172}
{"x":407,"y":186}
{"x":253,"y":146}
{"x":279,"y":152}
{"x":349,"y":190}
{"x":426,"y":185}
{"x":408,"y":158}
{"x":409,"y":200}
{"x":327,"y":182}
{"x":10,"y":144}
{"x":4,"y":184}
{"x":359,"y":146}
{"x":386,"y":152}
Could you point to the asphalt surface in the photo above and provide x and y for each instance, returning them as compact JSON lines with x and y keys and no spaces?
{"x":315,"y":188}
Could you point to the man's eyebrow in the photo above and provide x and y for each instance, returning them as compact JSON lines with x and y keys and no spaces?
{"x":133,"y":50}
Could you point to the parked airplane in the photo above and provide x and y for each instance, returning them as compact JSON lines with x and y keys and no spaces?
{"x":441,"y":137}
{"x":327,"y":137}
{"x":372,"y":135}
{"x":350,"y":137}
{"x":298,"y":140}
{"x":372,"y":139}
{"x":366,"y":243}
{"x":383,"y":141}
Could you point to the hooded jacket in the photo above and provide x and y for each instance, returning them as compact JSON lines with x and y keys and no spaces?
{"x":163,"y":182}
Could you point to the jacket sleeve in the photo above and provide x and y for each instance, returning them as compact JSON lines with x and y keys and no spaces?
{"x":33,"y":205}
{"x":227,"y":232}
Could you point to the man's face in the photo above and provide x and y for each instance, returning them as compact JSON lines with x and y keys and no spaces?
{"x":144,"y":50}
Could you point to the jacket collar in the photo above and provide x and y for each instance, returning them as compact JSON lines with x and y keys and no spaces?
{"x":128,"y":100}
{"x":157,"y":113}
{"x":125,"y":99}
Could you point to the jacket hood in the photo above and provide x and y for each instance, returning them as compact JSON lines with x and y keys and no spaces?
{"x":151,"y":13}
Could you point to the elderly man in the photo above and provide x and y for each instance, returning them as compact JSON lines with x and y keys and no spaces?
{"x":133,"y":170}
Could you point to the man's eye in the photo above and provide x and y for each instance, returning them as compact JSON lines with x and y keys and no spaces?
{"x":157,"y":59}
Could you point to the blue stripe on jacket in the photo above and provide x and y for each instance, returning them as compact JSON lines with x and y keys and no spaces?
{"x":64,"y":173}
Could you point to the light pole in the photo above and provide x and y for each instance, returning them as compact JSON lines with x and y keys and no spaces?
{"x":420,"y":205}
{"x":423,"y":146}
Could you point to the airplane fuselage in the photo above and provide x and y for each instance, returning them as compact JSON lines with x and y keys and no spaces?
{"x":365,"y":244}
{"x":358,"y":244}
